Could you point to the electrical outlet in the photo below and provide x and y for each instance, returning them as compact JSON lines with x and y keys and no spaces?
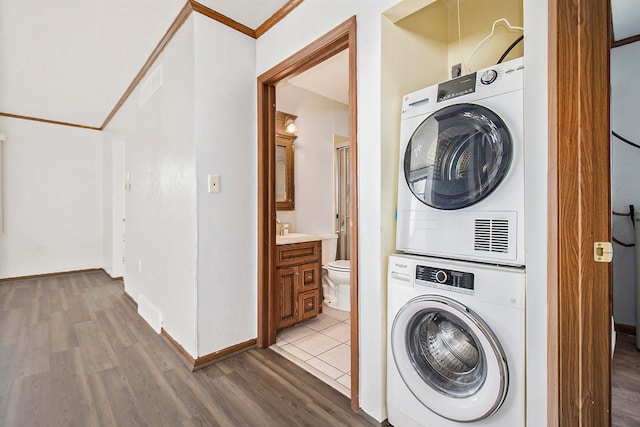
{"x":214,"y":183}
{"x":456,"y":71}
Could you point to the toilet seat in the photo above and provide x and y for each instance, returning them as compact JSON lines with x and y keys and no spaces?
{"x":339,"y":265}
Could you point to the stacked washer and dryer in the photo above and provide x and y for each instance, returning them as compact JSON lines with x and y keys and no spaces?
{"x":456,"y":292}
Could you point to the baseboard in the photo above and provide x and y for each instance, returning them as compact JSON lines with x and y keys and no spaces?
{"x":184,"y":353}
{"x":119,"y":278}
{"x":203,"y":361}
{"x":45,"y":275}
{"x":131,"y":300}
{"x":625,"y":329}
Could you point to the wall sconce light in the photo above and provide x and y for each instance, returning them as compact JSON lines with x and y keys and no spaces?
{"x":290,"y":125}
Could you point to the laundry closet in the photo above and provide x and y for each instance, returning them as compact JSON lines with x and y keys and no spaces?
{"x":454,"y":80}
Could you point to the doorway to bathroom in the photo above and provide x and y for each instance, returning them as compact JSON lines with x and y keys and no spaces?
{"x":336,"y":326}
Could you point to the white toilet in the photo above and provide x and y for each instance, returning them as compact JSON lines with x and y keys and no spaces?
{"x":336,"y":277}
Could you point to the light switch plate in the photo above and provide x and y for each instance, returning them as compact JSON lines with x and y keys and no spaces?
{"x":214,"y":183}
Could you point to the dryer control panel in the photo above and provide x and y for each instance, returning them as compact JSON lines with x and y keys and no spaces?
{"x":451,"y":280}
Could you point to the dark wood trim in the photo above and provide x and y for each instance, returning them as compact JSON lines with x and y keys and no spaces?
{"x":173,"y":29}
{"x":45,"y":275}
{"x":52,"y":122}
{"x":266,"y":212}
{"x":579,"y":214}
{"x":353,"y":202}
{"x":225,"y":20}
{"x":276,"y":17}
{"x":120,"y":278}
{"x":340,"y":38}
{"x":625,"y":329}
{"x":203,"y":361}
{"x":131,"y":300}
{"x":184,"y":353}
{"x":625,"y":41}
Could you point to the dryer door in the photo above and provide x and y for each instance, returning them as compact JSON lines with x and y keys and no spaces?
{"x":449,"y":358}
{"x":457,"y":156}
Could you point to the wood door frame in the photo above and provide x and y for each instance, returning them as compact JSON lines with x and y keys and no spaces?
{"x":340,"y":38}
{"x":579,"y":289}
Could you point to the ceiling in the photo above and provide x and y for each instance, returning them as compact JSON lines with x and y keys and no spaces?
{"x":62,"y":60}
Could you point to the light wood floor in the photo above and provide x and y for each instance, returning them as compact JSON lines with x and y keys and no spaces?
{"x":73,"y":352}
{"x":625,"y":383}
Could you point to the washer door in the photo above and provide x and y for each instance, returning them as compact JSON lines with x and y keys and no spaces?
{"x":449,"y":358}
{"x":457,"y":156}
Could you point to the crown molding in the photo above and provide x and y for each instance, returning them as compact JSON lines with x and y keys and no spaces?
{"x":216,"y":16}
{"x":183,"y":15}
{"x":625,"y":41}
{"x":277,"y":17}
{"x":53,"y":122}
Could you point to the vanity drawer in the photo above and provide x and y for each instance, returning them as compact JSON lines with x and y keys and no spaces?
{"x":309,"y":277}
{"x":308,"y":304}
{"x":298,"y":253}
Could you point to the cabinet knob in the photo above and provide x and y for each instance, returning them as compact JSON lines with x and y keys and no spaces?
{"x":297,"y":274}
{"x":310,"y":304}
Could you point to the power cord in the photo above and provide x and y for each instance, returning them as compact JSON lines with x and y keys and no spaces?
{"x":630,"y":214}
{"x":624,"y":140}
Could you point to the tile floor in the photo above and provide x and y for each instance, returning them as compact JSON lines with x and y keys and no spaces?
{"x":321,"y":346}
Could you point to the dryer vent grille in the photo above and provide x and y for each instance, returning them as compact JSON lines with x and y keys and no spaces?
{"x":491,"y":235}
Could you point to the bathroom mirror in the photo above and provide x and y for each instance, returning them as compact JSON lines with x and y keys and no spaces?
{"x":285,"y":191}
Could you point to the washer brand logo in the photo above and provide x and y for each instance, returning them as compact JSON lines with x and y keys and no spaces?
{"x":401,"y":265}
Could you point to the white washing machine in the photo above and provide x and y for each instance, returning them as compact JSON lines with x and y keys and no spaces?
{"x":461,"y":175}
{"x":456,"y":343}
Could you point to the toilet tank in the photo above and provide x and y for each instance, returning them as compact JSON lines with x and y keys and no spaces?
{"x":329,"y":247}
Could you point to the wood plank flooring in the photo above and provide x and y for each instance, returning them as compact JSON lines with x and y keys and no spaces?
{"x":625,"y":383}
{"x":73,"y":352}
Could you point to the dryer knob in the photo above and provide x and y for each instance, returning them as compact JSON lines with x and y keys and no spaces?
{"x":441,"y":276}
{"x":488,"y":77}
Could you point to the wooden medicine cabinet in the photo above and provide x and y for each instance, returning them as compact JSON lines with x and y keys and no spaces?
{"x":285,"y":190}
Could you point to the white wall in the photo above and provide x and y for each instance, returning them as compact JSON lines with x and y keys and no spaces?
{"x":225,"y":135}
{"x":52,"y":191}
{"x":536,"y":206}
{"x":319,"y":119}
{"x":113,"y":198}
{"x":625,"y":175}
{"x":278,"y":44}
{"x":161,"y":207}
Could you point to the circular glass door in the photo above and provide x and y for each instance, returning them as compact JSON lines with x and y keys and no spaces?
{"x":449,"y":358}
{"x":457,"y":156}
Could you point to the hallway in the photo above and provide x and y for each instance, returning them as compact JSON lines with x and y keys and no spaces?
{"x":73,"y":351}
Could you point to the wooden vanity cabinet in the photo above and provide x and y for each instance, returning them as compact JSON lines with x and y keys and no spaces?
{"x":297,"y":280}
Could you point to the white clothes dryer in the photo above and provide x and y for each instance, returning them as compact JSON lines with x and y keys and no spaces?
{"x":461,"y":174}
{"x":456,"y":343}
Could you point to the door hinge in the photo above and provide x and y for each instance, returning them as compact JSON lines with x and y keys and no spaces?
{"x":603,"y":251}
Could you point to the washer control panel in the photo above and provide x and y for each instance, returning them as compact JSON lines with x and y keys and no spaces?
{"x":450,"y":280}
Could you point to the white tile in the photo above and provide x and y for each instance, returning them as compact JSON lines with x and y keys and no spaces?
{"x":345,"y":380}
{"x":321,"y":322}
{"x":280,"y":341}
{"x":340,"y":332}
{"x":339,"y":357}
{"x":326,"y":369}
{"x":295,"y":351}
{"x":294,"y":333}
{"x":316,"y":344}
{"x":336,"y":314}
